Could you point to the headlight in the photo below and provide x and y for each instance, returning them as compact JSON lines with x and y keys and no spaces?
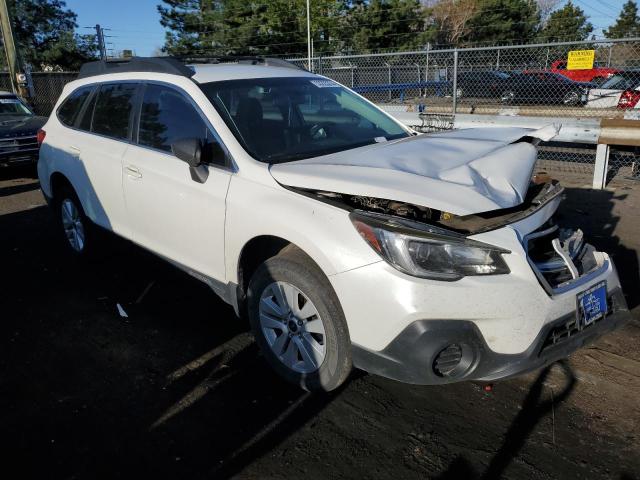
{"x":427,"y":251}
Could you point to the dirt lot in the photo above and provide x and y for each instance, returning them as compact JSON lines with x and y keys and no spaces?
{"x":178,"y":390}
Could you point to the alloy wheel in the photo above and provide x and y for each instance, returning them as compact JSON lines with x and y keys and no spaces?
{"x":292,"y":327}
{"x":507,"y":97}
{"x":571,"y":98}
{"x":72,"y":224}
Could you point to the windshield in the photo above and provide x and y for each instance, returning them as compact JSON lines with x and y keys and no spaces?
{"x":13,"y":106}
{"x":621,"y":82}
{"x":284,"y":119}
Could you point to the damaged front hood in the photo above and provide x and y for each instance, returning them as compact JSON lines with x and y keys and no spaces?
{"x":461,"y":172}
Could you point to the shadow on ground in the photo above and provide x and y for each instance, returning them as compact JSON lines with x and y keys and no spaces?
{"x":177,"y":389}
{"x":175,"y":385}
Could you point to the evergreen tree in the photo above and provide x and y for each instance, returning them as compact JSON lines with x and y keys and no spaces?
{"x":565,"y":24}
{"x":237,"y":27}
{"x":386,"y":24}
{"x":503,"y":21}
{"x":45,"y":37}
{"x":627,"y":24}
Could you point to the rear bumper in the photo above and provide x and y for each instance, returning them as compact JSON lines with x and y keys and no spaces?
{"x":411,"y":356}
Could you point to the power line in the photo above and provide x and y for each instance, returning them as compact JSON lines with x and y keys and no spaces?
{"x":595,"y":9}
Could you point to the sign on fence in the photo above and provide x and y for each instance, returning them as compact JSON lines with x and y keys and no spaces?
{"x":580,"y":59}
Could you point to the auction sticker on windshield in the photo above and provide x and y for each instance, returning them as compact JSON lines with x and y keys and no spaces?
{"x":592,"y":304}
{"x":325,"y":83}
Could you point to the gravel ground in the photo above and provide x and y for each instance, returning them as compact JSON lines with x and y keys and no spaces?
{"x":177,"y":388}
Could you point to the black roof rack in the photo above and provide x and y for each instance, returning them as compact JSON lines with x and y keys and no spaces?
{"x":136,"y":64}
{"x":171,"y":65}
{"x":265,"y":61}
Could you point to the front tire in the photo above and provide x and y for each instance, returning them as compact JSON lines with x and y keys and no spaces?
{"x":298,"y":322}
{"x":508,"y":97}
{"x":571,"y":99}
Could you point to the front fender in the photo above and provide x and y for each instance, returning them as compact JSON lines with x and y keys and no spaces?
{"x":322,"y":231}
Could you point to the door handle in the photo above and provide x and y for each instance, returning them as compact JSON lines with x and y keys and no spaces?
{"x":132,"y":171}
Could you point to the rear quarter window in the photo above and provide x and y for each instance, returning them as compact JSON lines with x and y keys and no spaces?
{"x":112,"y":112}
{"x":70,"y":108}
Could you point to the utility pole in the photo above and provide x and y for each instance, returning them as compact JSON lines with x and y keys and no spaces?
{"x":10,"y":47}
{"x":309,"y":36}
{"x":101,"y":45}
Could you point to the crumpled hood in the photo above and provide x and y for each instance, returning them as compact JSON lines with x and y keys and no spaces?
{"x":462,"y":172}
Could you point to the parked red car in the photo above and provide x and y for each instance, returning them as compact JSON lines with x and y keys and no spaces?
{"x":595,"y":74}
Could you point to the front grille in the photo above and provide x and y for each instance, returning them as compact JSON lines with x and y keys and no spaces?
{"x":570,"y":328}
{"x":19,"y":146}
{"x":548,"y":262}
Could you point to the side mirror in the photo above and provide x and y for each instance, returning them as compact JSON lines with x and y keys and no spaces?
{"x":188,"y":150}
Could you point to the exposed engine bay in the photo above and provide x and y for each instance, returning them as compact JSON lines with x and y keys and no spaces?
{"x":541,"y":191}
{"x":391,"y":207}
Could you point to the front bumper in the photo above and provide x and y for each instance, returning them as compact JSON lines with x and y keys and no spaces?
{"x":19,"y":149}
{"x":413,"y":355}
{"x":18,"y":159}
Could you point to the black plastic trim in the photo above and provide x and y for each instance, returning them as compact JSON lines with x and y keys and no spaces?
{"x":168,"y":65}
{"x":410,"y":356}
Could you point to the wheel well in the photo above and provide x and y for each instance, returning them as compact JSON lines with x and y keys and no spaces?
{"x":58,"y":183}
{"x":256,"y":251}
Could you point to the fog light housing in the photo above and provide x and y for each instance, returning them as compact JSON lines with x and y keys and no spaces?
{"x":453,"y":361}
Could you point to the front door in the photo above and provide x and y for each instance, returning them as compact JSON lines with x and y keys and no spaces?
{"x":168,"y":212}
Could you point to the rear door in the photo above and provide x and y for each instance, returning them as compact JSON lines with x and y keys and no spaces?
{"x":169,"y":212}
{"x":104,"y":133}
{"x":59,"y":151}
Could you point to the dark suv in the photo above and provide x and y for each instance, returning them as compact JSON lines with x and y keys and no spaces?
{"x":481,"y":84}
{"x":18,"y":131}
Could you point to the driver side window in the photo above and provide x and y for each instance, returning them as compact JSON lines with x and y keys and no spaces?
{"x":166,"y":117}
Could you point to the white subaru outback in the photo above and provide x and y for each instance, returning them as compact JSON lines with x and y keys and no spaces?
{"x":347,"y":239}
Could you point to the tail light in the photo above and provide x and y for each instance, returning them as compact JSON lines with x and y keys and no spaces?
{"x":40,"y":137}
{"x":628,"y":99}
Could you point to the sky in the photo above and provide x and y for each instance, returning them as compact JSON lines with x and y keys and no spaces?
{"x":135,"y":24}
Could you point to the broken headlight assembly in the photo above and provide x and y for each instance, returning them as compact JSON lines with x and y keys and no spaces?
{"x":427,"y":251}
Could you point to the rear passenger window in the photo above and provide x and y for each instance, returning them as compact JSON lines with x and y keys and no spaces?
{"x":113,"y":110}
{"x":85,"y":121}
{"x":70,"y":108}
{"x":167,"y":116}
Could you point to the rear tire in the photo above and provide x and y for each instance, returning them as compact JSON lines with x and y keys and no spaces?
{"x":298,"y":322}
{"x":77,"y":232}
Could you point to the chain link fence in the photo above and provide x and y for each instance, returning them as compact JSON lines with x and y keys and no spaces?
{"x":45,"y":88}
{"x":527,"y":80}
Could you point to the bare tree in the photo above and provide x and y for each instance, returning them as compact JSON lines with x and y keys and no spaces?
{"x":545,"y":7}
{"x":452,"y":16}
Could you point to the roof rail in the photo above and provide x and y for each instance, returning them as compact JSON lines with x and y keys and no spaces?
{"x":172,"y":65}
{"x":265,"y":61}
{"x":136,"y":64}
